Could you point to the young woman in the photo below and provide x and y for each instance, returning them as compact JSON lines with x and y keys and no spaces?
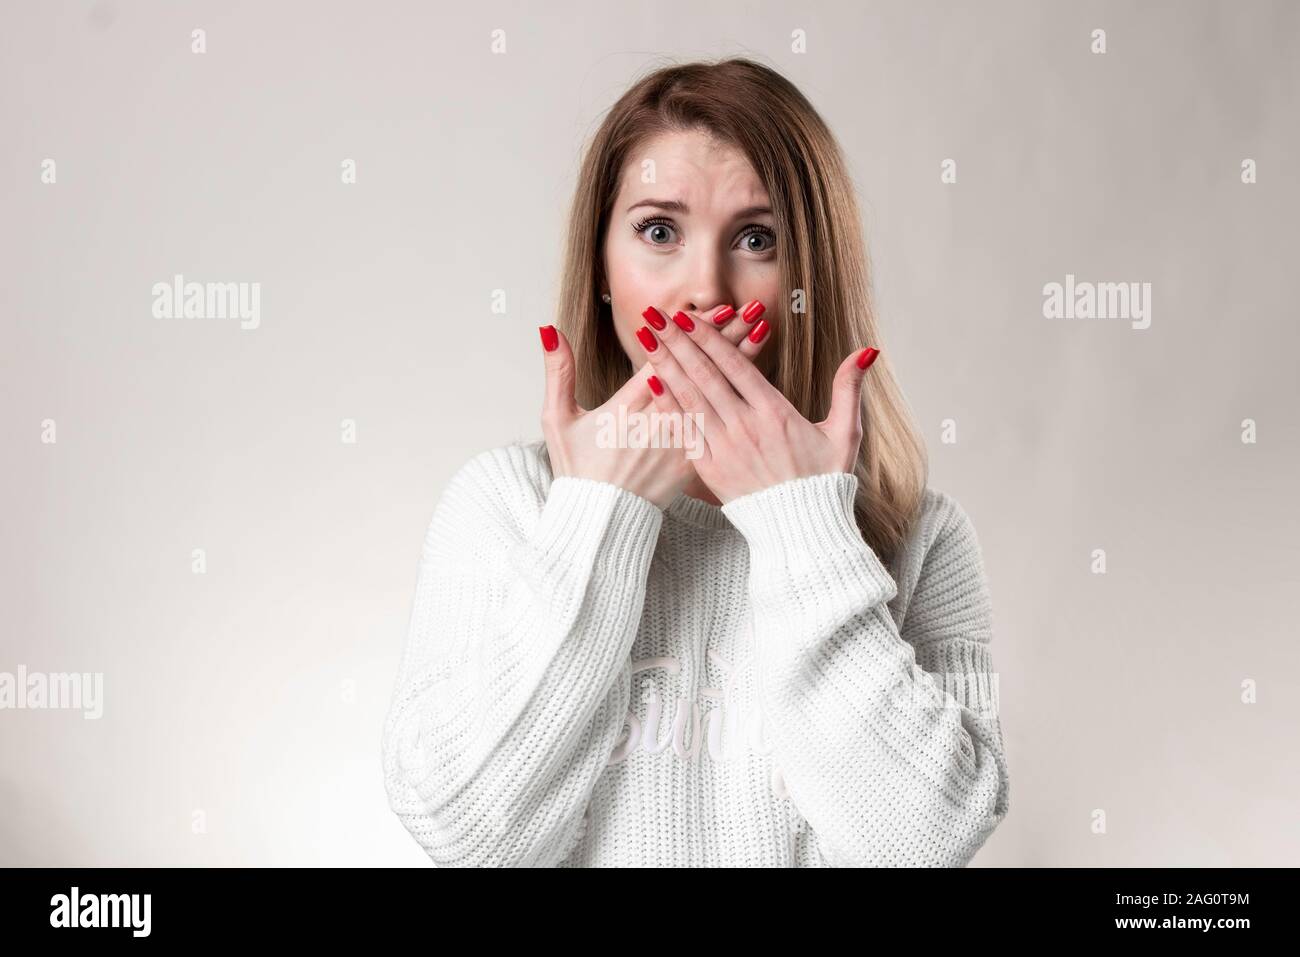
{"x":769,"y":646}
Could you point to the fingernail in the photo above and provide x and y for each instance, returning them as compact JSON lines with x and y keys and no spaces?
{"x":683,"y":320}
{"x":723,"y":315}
{"x":656,"y":386}
{"x":647,"y":339}
{"x":753,"y":311}
{"x":549,"y":338}
{"x":868,"y":356}
{"x":651,"y":315}
{"x":760,"y":331}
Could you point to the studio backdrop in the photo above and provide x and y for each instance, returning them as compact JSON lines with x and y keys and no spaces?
{"x":1081,"y":223}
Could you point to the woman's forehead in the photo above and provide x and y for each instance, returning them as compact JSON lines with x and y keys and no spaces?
{"x":690,"y":174}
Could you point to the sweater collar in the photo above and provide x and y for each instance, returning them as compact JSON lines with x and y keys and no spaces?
{"x":694,"y":511}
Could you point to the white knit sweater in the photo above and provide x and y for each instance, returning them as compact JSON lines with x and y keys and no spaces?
{"x":590,"y":680}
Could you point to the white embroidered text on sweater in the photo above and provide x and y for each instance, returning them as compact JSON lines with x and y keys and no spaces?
{"x":590,"y":680}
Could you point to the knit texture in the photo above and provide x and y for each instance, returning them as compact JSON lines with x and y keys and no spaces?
{"x":590,"y":680}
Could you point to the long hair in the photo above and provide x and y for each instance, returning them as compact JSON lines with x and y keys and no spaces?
{"x":826,"y":310}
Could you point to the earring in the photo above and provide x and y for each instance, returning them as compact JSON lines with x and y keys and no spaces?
{"x":606,"y":297}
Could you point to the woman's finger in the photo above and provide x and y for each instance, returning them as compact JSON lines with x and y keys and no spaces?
{"x":686,"y":429}
{"x":690,"y":395}
{"x":633,"y":394}
{"x":558,"y":402}
{"x":741,"y":332}
{"x":727,"y":360}
{"x":732,"y":324}
{"x":691,"y":362}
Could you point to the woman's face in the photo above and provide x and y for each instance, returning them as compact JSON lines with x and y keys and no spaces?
{"x":698,"y":236}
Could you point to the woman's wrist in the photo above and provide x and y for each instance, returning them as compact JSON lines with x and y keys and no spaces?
{"x":814,"y":512}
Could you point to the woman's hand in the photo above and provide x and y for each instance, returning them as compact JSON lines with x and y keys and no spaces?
{"x":754,"y":438}
{"x":579,"y":442}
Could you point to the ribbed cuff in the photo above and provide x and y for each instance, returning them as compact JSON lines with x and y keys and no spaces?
{"x":806,"y":526}
{"x":965,"y":670}
{"x":590,"y":524}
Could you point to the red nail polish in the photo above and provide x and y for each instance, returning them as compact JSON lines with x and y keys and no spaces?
{"x":760,"y":331}
{"x":647,"y":339}
{"x":753,"y":311}
{"x":651,"y":315}
{"x":549,"y":338}
{"x":726,"y":313}
{"x":683,"y":320}
{"x":868,"y":356}
{"x":656,"y":386}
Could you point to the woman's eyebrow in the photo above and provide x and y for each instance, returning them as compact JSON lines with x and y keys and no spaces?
{"x":673,"y":205}
{"x":677,"y":206}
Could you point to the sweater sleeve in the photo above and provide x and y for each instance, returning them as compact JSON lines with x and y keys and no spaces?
{"x":514,"y":682}
{"x":889,"y":743}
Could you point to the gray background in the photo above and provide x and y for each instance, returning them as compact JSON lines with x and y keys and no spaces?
{"x":255,"y":693}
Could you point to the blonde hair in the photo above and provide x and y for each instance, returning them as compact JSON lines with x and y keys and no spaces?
{"x":821,"y":253}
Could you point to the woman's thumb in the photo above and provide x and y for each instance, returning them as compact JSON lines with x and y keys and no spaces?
{"x":845,"y":417}
{"x":559,"y":400}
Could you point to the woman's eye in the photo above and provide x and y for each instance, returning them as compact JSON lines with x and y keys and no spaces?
{"x":661,"y":232}
{"x":657,"y":228}
{"x":758,"y":239}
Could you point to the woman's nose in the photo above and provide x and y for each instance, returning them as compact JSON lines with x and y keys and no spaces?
{"x":709,"y":289}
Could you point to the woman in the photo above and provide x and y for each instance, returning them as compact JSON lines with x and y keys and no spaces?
{"x":768,"y":646}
